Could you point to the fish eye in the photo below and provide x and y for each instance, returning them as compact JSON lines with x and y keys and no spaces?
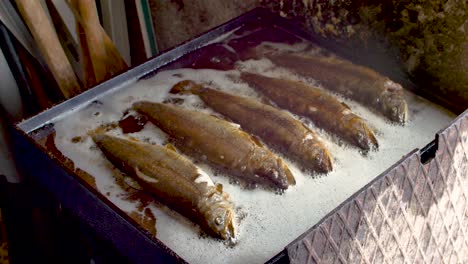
{"x":219,"y":220}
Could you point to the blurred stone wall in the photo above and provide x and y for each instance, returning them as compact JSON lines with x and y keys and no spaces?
{"x":176,"y":21}
{"x":427,"y":39}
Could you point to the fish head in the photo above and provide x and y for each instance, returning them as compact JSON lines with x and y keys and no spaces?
{"x":320,"y":159}
{"x":275,"y":172}
{"x":218,"y":214}
{"x":393,"y":102}
{"x":362,"y":135}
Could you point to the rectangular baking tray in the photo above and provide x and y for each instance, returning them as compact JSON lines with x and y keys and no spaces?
{"x":353,"y":218}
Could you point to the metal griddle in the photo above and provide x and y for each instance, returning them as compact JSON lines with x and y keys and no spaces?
{"x":334,"y":238}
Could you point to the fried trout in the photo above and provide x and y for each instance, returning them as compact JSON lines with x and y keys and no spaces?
{"x":353,"y":81}
{"x":323,"y":109}
{"x":173,"y":180}
{"x":275,"y":127}
{"x":219,"y":142}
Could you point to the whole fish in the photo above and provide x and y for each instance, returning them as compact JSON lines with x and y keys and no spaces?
{"x":175,"y":181}
{"x":323,"y":109}
{"x":353,"y":81}
{"x":276,"y":127}
{"x":208,"y":138}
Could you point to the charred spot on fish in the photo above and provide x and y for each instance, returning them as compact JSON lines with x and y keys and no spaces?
{"x":97,"y":113}
{"x":132,"y":124}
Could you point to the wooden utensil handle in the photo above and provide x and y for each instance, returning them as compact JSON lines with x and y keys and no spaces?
{"x":49,"y":45}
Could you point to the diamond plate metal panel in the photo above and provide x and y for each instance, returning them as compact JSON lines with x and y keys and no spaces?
{"x":413,"y":213}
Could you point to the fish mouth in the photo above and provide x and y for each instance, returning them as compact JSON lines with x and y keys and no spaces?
{"x":283,"y":177}
{"x":366,"y":140}
{"x":397,"y":110}
{"x":401,"y":112}
{"x":289,"y":176}
{"x":217,"y":215}
{"x":363,"y":136}
{"x":324,"y":162}
{"x":394,"y":103}
{"x":230,"y":227}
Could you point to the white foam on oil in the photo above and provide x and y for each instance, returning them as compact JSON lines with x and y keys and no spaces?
{"x":270,"y":221}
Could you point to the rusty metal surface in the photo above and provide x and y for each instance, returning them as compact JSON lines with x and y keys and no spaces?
{"x":413,"y":213}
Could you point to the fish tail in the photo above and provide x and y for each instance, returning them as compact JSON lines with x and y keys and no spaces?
{"x":186,"y":87}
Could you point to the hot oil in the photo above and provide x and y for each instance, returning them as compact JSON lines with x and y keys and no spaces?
{"x":269,"y":221}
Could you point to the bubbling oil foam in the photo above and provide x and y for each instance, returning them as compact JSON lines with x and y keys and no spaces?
{"x":269,"y":221}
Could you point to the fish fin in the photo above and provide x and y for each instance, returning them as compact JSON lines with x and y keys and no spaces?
{"x":134,"y":139}
{"x":145,"y":177}
{"x":132,"y":183}
{"x":256,"y":140}
{"x":219,"y":187}
{"x":309,"y":129}
{"x":345,"y":105}
{"x":185,"y":87}
{"x":171,"y":147}
{"x":218,"y":116}
{"x":267,"y":101}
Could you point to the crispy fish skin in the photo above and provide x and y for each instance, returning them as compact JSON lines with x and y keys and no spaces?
{"x":208,"y":138}
{"x":353,"y":81}
{"x":174,"y":180}
{"x":323,"y":109}
{"x":276,"y":127}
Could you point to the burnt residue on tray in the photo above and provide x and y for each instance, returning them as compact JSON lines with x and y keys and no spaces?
{"x":243,"y":45}
{"x":214,"y":56}
{"x":132,"y":123}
